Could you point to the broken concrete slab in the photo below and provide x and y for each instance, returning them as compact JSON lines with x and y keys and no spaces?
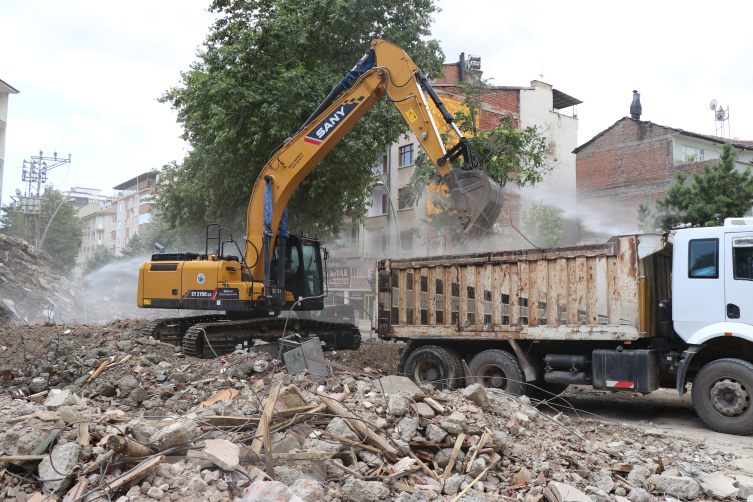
{"x":398,"y":385}
{"x":477,"y":394}
{"x":717,"y":485}
{"x":567,"y":493}
{"x":222,"y":453}
{"x":682,"y":487}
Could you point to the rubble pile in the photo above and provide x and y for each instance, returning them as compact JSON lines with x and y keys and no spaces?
{"x":29,"y":292}
{"x":130,"y":419}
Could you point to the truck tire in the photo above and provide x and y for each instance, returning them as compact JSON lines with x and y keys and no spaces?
{"x":460,"y":382}
{"x":498,"y":369}
{"x":434,"y":365}
{"x":722,"y":396}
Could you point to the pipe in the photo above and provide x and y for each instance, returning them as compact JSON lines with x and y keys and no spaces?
{"x":580,"y":378}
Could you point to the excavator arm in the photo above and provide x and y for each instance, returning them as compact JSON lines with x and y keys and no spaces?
{"x":385,"y":69}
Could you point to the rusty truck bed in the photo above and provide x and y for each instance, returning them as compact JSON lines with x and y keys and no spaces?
{"x":603,"y":291}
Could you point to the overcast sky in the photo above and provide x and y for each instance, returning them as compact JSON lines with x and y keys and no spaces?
{"x":89,"y":72}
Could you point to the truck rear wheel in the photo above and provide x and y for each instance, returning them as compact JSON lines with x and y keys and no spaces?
{"x":434,"y":365}
{"x":722,"y":396}
{"x":498,"y":369}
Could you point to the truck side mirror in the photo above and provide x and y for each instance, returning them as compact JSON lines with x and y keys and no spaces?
{"x":326,"y":253}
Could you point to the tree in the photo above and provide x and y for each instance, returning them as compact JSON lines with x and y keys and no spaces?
{"x":63,"y":239}
{"x":100,"y":257}
{"x":543,"y":225}
{"x":135,"y":245}
{"x":719,"y":192}
{"x":264,"y":67}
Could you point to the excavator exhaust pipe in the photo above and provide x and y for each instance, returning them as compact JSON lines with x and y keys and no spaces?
{"x":478,"y":201}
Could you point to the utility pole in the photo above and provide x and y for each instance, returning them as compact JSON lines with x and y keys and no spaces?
{"x":29,"y":204}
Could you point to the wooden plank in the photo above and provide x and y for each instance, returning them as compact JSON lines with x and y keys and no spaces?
{"x":406,"y":488}
{"x":83,"y":435}
{"x":371,"y":437}
{"x":422,"y":465}
{"x":226,"y":394}
{"x":455,"y":450}
{"x":351,"y":442}
{"x":301,"y":458}
{"x":21,"y":458}
{"x":140,"y":470}
{"x":484,"y":438}
{"x":495,"y":459}
{"x":263,"y":430}
{"x":469,"y":379}
{"x":100,"y":369}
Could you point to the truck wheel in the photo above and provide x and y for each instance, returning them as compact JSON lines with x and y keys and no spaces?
{"x":722,"y":396}
{"x":498,"y":369}
{"x":434,"y":365}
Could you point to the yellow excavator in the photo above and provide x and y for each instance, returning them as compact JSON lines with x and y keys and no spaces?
{"x":277,"y":271}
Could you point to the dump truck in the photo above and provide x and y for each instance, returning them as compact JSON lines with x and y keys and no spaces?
{"x":635,"y":313}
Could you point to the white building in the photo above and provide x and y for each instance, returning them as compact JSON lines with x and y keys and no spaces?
{"x":5,"y":91}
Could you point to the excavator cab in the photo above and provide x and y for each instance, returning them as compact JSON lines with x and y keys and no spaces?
{"x":304,"y":276}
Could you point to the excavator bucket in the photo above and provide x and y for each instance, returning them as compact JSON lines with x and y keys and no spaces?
{"x":478,"y":201}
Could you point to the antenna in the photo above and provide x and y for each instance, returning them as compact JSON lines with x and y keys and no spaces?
{"x":720,"y":117}
{"x":542,"y":70}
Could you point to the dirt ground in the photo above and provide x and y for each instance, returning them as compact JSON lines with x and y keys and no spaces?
{"x":662,"y":409}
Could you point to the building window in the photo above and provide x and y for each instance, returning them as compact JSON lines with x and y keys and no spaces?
{"x":703,"y":259}
{"x":100,"y":220}
{"x":144,"y":199}
{"x":384,"y":203}
{"x":118,"y":224}
{"x":401,"y":202}
{"x":99,"y":238}
{"x":354,"y":235}
{"x":384,"y":164}
{"x":118,"y":241}
{"x":145,"y":218}
{"x":690,"y":154}
{"x":406,"y":155}
{"x":357,"y":277}
{"x":407,"y":241}
{"x":128,"y":222}
{"x":120,"y":207}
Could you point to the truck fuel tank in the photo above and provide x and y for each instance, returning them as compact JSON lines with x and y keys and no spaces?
{"x":634,"y":370}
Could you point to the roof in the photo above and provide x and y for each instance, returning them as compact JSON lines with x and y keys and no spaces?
{"x":741,"y":144}
{"x":108,"y":210}
{"x":140,"y":179}
{"x":7,"y":88}
{"x":562,"y":100}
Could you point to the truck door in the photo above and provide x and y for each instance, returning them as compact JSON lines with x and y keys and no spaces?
{"x":738,"y":277}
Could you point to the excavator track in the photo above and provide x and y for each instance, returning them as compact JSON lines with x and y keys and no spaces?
{"x":208,"y":339}
{"x":171,"y":330}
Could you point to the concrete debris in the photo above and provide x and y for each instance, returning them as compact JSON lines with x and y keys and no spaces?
{"x":173,"y":428}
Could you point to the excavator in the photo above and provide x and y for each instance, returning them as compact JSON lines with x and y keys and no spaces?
{"x":276,"y":271}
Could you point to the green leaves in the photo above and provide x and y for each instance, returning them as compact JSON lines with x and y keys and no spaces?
{"x":264,"y":68}
{"x":719,"y":192}
{"x":543,"y":225}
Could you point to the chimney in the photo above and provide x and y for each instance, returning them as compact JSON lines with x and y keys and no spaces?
{"x":635,"y":107}
{"x":461,"y":68}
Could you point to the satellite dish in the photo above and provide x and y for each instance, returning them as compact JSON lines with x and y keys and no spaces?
{"x":712,"y":105}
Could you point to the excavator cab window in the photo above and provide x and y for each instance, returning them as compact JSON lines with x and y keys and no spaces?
{"x":303,"y":271}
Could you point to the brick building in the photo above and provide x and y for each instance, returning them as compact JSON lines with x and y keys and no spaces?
{"x":634,"y":162}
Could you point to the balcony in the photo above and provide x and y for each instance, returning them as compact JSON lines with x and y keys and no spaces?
{"x":379,"y":221}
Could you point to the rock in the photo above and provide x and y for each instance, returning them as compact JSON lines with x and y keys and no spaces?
{"x":477,"y":394}
{"x":64,"y":458}
{"x":127,"y":384}
{"x":153,"y":358}
{"x":38,"y":384}
{"x":69,"y":414}
{"x":289,"y":475}
{"x":435,"y":434}
{"x":452,"y":484}
{"x":717,"y":485}
{"x":397,"y":406}
{"x":597,"y":494}
{"x":522,"y":477}
{"x":408,"y":427}
{"x":222,"y":453}
{"x":142,"y":430}
{"x":105,"y":389}
{"x":284,"y":443}
{"x":338,"y":427}
{"x":685,"y":488}
{"x":155,"y":493}
{"x":178,"y":377}
{"x":308,"y":490}
{"x":62,"y":398}
{"x":364,"y":491}
{"x":455,"y":423}
{"x":637,"y":477}
{"x":443,"y":457}
{"x":745,"y":485}
{"x":292,"y":397}
{"x":260,"y":366}
{"x":395,"y":385}
{"x":139,"y":395}
{"x":567,"y":493}
{"x":174,"y":434}
{"x":269,"y":491}
{"x":639,"y":495}
{"x":125,"y":345}
{"x":604,"y":480}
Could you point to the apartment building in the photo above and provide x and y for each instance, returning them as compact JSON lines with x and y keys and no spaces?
{"x":133,"y":206}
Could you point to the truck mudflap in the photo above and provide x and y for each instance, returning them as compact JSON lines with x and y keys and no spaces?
{"x":682,"y":366}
